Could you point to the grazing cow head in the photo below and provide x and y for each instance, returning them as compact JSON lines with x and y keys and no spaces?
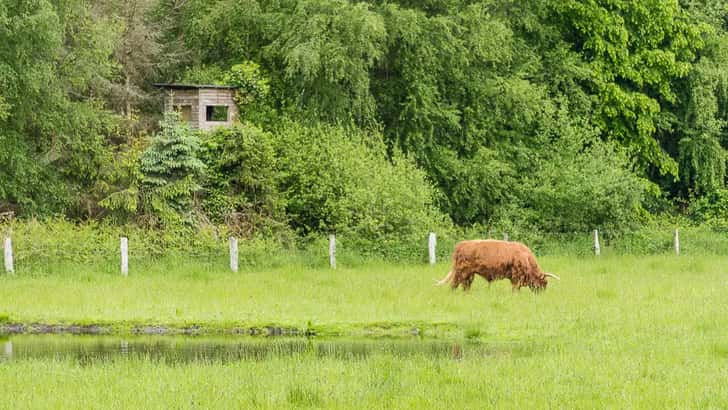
{"x":539,"y":282}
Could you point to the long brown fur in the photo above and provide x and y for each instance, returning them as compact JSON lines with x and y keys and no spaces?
{"x":494,"y":260}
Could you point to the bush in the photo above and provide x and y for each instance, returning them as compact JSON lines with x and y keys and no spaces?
{"x":240,"y":186}
{"x":581,"y":183}
{"x":339,"y":181}
{"x":41,"y":246}
{"x":711,"y":209}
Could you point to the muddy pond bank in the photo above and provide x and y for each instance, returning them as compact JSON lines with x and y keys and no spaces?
{"x":185,"y":349}
{"x":376,"y":329}
{"x":151,"y":329}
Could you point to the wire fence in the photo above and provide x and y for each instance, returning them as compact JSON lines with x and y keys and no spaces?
{"x":111,"y":255}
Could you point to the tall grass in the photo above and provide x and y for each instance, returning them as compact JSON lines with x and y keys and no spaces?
{"x":40,"y":246}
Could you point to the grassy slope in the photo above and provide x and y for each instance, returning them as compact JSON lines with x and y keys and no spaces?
{"x":620,"y":332}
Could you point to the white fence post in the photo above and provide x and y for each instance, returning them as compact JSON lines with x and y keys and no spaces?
{"x":597,"y":249}
{"x":431,"y":246}
{"x":9,"y":255}
{"x":677,"y":243}
{"x":124,"y":256}
{"x":505,"y":236}
{"x":332,"y":251}
{"x":234,"y":254}
{"x":8,"y":349}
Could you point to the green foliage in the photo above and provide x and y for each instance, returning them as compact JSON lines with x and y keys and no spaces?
{"x":337,"y":181}
{"x":26,"y":184}
{"x":580,"y":183}
{"x":51,"y":128}
{"x":702,"y":161}
{"x":543,"y":115}
{"x":4,"y":109}
{"x":137,"y":56}
{"x":711,"y":209}
{"x":203,"y":74}
{"x":452,"y":82}
{"x":241,"y":179}
{"x":171,"y":170}
{"x":252,"y":85}
{"x":324,"y":51}
{"x":635,"y":51}
{"x":565,"y":179}
{"x":39,"y":244}
{"x":123,"y":183}
{"x":703,"y":120}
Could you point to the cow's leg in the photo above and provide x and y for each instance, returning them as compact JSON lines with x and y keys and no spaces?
{"x":468,"y":281}
{"x":457,"y":277}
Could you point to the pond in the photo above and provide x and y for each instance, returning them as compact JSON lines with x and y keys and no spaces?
{"x":186,"y":349}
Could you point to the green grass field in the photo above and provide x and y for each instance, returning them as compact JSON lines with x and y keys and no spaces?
{"x":619,"y":332}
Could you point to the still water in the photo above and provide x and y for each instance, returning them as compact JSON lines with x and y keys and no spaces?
{"x":178,"y":349}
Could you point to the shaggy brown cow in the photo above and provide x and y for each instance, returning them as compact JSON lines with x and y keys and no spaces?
{"x":495,"y":260}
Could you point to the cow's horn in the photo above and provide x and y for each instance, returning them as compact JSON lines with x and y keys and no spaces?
{"x":553,"y":276}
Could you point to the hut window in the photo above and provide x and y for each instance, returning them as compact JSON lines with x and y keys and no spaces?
{"x":185,"y":112}
{"x":217,"y":113}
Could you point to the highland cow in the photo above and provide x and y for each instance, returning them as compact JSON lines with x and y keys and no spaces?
{"x":495,"y":260}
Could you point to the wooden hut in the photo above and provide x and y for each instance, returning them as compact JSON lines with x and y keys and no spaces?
{"x":203,"y":106}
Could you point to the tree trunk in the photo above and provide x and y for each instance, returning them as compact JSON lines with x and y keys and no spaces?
{"x":128,"y":97}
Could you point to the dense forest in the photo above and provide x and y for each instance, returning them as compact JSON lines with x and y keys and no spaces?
{"x":383,"y":119}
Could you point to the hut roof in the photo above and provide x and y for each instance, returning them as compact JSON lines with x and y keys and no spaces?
{"x":178,"y":86}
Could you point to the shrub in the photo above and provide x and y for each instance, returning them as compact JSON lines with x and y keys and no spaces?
{"x":340,"y":181}
{"x":41,"y":246}
{"x":240,"y":185}
{"x":580,"y":183}
{"x":252,"y":85}
{"x":122,"y":183}
{"x":711,"y":209}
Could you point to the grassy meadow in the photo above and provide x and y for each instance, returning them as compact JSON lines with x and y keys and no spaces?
{"x":637,"y":296}
{"x":616,"y":331}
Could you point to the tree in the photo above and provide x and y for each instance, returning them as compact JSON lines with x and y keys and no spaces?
{"x":52,"y":127}
{"x":702,"y":113}
{"x":171,"y":170}
{"x":635,"y":51}
{"x":137,"y":52}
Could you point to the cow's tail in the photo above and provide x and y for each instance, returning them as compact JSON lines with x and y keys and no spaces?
{"x":446,"y":279}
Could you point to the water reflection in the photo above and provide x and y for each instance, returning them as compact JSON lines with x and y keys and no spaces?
{"x":173,"y":349}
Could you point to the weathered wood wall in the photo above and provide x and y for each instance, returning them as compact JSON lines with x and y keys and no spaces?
{"x":199,"y":100}
{"x":218,"y":97}
{"x":185,"y":97}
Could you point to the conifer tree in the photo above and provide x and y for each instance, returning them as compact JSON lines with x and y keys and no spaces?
{"x":171,"y":169}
